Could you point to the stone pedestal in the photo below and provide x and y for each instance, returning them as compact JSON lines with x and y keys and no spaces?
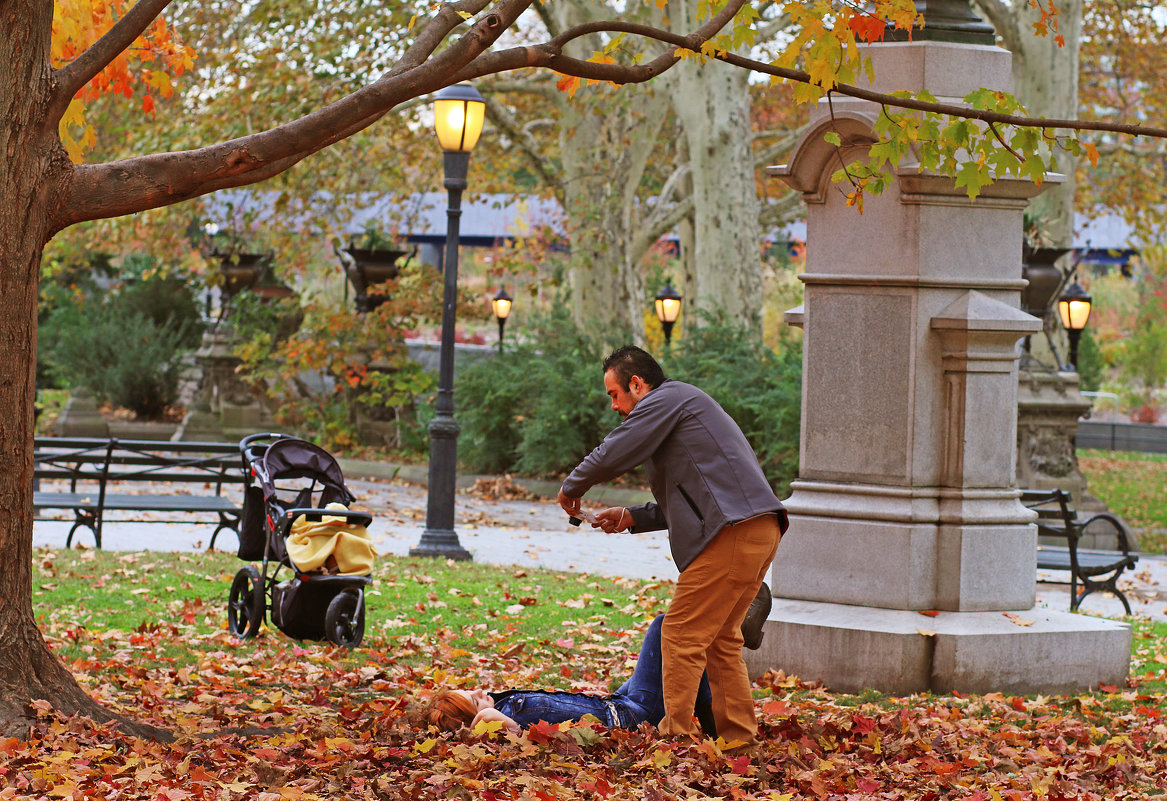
{"x":906,"y":499}
{"x":224,"y":407}
{"x":1049,"y":405}
{"x":80,"y":416}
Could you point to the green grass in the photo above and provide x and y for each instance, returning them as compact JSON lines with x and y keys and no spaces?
{"x":1133,"y":486}
{"x":84,"y":599}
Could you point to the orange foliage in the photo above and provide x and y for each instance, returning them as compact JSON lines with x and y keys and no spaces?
{"x":146,"y":67}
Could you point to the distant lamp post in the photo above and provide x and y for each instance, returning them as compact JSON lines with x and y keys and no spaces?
{"x":501,"y":303}
{"x":1074,"y":309}
{"x":668,"y":309}
{"x":458,"y":116}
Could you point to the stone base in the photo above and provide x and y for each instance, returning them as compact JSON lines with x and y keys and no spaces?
{"x":854,"y":648}
{"x":199,"y":426}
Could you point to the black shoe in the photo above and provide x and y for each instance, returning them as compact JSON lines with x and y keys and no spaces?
{"x":756,"y":617}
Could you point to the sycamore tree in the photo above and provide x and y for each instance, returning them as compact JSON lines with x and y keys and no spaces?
{"x":49,"y":65}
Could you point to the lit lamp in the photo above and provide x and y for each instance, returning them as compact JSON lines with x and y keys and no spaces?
{"x":1074,"y":309}
{"x":668,"y":309}
{"x":458,"y":116}
{"x":501,"y":303}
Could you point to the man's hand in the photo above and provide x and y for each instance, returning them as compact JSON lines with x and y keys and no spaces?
{"x":615,"y":518}
{"x":568,"y":503}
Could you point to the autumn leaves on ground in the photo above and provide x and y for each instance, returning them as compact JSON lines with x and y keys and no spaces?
{"x":278,"y":719}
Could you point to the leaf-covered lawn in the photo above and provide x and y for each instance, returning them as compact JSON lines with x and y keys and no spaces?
{"x":277,"y":719}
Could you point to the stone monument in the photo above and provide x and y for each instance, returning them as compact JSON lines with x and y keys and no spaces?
{"x":906,"y":498}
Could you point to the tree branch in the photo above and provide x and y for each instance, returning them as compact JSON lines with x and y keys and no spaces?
{"x":950,"y":109}
{"x":551,"y":54}
{"x":434,"y":33}
{"x":109,"y":190}
{"x":1002,"y":18}
{"x":72,"y":77}
{"x":506,"y":121}
{"x":114,"y":189}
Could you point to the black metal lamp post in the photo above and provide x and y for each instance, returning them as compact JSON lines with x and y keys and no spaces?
{"x":668,"y":309}
{"x":458,"y":116}
{"x":1074,"y":309}
{"x":501,"y":303}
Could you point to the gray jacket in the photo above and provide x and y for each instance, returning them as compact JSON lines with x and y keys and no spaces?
{"x":702,"y":471}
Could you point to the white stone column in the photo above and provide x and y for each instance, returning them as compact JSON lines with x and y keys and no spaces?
{"x":905,"y":500}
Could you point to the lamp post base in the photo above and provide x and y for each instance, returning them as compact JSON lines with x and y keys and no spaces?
{"x":440,"y":544}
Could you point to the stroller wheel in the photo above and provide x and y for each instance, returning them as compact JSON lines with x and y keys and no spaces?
{"x":344,"y":622}
{"x":245,"y":607}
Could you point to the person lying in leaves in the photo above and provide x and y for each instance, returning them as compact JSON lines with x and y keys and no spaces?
{"x":638,"y":700}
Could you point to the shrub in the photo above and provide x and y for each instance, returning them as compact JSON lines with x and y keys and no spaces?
{"x":540,"y":410}
{"x":760,"y":388}
{"x":535,"y":410}
{"x":123,"y":356}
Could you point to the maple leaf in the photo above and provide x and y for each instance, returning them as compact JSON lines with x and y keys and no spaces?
{"x":567,"y":83}
{"x":867,"y":28}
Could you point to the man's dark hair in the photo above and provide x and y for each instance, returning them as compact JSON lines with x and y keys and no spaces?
{"x":630,"y":360}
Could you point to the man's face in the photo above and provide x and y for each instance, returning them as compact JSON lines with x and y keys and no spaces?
{"x":624,"y":400}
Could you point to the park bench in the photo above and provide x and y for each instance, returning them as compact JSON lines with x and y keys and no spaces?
{"x":149,"y":476}
{"x":1093,"y":569}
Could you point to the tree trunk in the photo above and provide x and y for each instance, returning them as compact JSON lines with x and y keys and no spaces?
{"x":712,"y":102}
{"x":606,"y":140}
{"x":31,"y":176}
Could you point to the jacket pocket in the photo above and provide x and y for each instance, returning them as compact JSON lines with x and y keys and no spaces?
{"x":692,"y":505}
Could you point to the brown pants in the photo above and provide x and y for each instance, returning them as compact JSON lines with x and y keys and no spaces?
{"x":702,"y":630}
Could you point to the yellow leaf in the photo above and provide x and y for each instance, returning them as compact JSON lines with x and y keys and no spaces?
{"x":1091,"y":153}
{"x":486,"y":727}
{"x":426,"y":746}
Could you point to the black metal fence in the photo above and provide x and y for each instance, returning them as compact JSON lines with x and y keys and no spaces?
{"x":1122,"y":436}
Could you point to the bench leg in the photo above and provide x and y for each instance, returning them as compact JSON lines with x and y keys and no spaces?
{"x":226,"y":521}
{"x":83,"y":519}
{"x":1087,"y":589}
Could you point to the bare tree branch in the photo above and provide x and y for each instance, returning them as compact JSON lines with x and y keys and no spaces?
{"x":72,"y":77}
{"x":506,"y":121}
{"x":432,"y":35}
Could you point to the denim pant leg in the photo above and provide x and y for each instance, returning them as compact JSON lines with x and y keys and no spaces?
{"x":642,"y":697}
{"x":531,"y":706}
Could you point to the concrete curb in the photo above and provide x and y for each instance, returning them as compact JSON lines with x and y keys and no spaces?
{"x":419,"y":475}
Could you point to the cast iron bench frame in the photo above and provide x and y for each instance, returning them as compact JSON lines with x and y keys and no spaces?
{"x":1094,"y":569}
{"x":92,"y":465}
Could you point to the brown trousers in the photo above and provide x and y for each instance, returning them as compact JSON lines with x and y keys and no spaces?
{"x":702,"y":630}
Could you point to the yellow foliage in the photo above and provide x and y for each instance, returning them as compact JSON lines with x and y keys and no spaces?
{"x":77,"y":24}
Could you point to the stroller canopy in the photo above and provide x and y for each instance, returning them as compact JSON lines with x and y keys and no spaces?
{"x":295,"y":458}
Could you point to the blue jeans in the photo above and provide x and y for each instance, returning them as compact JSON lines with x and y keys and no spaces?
{"x":639,"y":699}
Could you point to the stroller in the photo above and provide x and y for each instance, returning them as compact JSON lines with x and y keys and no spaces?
{"x":288,"y":479}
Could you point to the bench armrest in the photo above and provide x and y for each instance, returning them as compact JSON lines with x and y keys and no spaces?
{"x":1113,"y":524}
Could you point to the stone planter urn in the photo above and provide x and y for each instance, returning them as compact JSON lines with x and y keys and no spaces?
{"x":241,"y":271}
{"x":368,"y":267}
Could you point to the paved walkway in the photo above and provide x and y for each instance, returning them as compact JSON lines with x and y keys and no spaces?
{"x":531,"y":534}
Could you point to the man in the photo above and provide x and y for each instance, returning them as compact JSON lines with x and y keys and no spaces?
{"x":724,"y":525}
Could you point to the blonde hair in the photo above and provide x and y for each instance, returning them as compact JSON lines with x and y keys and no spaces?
{"x":448,"y":710}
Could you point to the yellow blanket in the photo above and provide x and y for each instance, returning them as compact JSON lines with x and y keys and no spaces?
{"x":331,"y":542}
